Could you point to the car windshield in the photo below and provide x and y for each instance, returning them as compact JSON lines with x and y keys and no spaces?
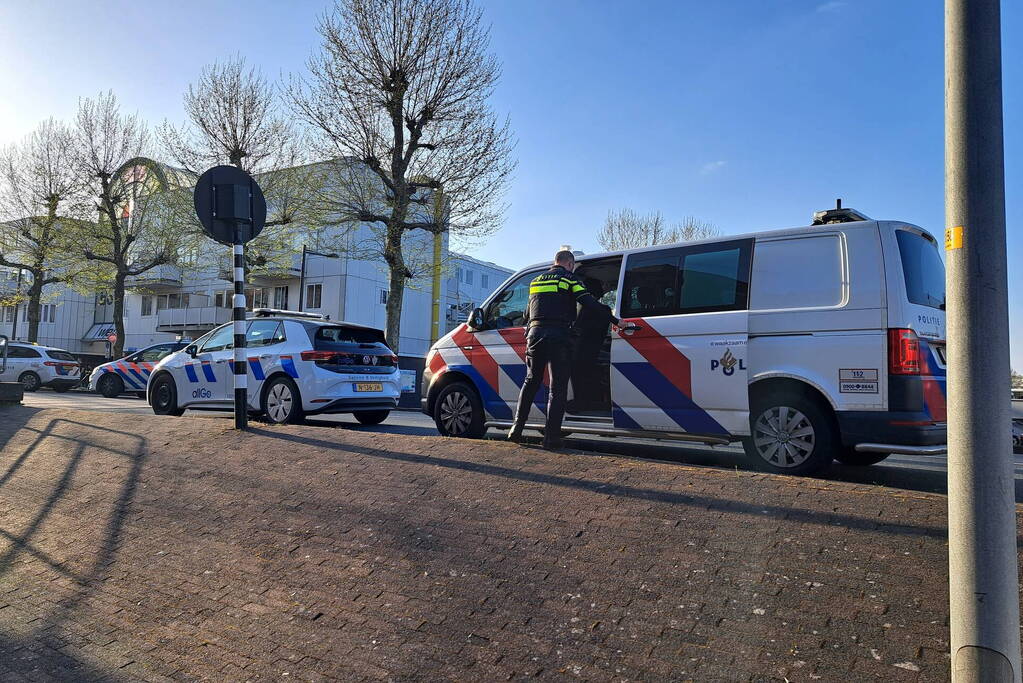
{"x":922,"y":268}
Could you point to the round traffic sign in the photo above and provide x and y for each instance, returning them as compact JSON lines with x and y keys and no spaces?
{"x":229,"y":204}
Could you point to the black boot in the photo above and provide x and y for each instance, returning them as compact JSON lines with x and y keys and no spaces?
{"x":514,"y":434}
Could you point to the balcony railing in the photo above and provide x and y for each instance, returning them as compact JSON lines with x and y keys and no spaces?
{"x":200,"y":317}
{"x":160,"y":276}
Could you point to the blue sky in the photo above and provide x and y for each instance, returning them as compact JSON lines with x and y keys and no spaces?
{"x":747,"y":114}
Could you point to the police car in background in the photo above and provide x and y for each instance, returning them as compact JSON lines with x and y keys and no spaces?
{"x":131,"y":373}
{"x":299,"y":364}
{"x":38,"y":366}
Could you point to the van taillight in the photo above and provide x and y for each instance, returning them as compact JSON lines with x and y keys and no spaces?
{"x":903,"y":352}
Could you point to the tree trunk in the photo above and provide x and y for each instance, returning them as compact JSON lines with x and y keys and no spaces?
{"x":396,"y":291}
{"x":35,"y":296}
{"x":119,"y":314}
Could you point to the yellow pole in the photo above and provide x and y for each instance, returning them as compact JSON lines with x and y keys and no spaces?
{"x":435,"y":313}
{"x":438,"y":216}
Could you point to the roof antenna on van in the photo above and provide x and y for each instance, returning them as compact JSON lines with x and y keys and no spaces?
{"x":837,"y":215}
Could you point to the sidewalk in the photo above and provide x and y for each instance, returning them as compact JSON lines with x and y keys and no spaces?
{"x":136,"y":547}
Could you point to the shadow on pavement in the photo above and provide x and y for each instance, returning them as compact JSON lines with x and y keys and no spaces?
{"x":610,"y":489}
{"x":35,"y":653}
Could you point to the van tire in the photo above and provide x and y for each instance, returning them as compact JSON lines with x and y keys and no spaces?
{"x":848,"y":456}
{"x":792,"y":449}
{"x":458,"y":412}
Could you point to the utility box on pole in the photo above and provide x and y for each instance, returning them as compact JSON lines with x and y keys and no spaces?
{"x":983,"y":579}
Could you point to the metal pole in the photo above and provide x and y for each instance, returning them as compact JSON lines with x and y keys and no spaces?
{"x":983,"y":584}
{"x":241,"y":413}
{"x":301,"y":281}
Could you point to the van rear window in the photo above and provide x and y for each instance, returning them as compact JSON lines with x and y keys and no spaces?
{"x":922,"y":268}
{"x":349,"y":335}
{"x":60,"y":355}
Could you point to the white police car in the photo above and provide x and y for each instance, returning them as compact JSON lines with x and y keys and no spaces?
{"x":131,"y":373}
{"x":38,"y":366}
{"x":299,"y":364}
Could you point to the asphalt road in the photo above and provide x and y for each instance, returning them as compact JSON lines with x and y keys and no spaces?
{"x":916,"y":473}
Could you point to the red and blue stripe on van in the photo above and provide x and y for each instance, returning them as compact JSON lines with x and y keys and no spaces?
{"x":663,"y":376}
{"x":934,"y":383}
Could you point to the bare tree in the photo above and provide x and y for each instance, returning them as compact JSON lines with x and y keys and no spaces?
{"x":235,"y":117}
{"x":131,"y":233}
{"x":625,"y":229}
{"x":399,"y":98}
{"x":37,"y":186}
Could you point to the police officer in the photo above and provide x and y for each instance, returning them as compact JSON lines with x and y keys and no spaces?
{"x":551,"y":311}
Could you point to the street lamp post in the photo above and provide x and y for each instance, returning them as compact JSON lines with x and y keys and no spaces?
{"x":301,"y":278}
{"x":984,"y":591}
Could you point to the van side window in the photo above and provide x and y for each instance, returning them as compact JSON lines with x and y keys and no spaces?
{"x":651,"y":284}
{"x":508,"y":309}
{"x":715,"y":281}
{"x":698,"y":279}
{"x":800,"y":272}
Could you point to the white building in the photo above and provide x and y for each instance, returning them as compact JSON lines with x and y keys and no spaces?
{"x":469,"y":282}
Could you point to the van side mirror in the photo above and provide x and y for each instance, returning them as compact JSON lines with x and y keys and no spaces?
{"x":192,"y":350}
{"x":476,"y":319}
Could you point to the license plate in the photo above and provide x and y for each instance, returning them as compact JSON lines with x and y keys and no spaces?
{"x":369,"y":386}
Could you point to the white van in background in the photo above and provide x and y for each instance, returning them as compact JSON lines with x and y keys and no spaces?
{"x":808,"y":344}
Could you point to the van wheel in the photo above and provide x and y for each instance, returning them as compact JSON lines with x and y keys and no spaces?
{"x":110,"y":385}
{"x":848,"y":456}
{"x":458,"y":411}
{"x":165,"y":397}
{"x":30,"y":381}
{"x":790,"y":434}
{"x":281,"y":402}
{"x":371,"y":417}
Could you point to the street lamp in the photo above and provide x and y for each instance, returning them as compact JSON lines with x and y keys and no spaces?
{"x":301,"y":279}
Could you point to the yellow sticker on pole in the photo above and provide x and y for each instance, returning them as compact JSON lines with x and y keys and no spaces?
{"x":953,"y":238}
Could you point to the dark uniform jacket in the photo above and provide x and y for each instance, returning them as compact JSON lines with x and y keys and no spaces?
{"x":553,"y":297}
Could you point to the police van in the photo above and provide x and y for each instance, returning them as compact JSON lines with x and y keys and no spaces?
{"x":298,"y":364}
{"x":806,"y":344}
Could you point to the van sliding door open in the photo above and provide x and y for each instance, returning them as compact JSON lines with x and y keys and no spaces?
{"x":685,"y":368}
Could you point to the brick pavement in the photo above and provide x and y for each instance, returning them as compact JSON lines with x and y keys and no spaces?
{"x":144,"y":548}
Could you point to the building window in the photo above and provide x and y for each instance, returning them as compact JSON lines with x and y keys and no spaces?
{"x":49,"y":313}
{"x":312,"y":295}
{"x":9,"y":313}
{"x":468,"y":276}
{"x":383,"y":296}
{"x":218,"y":299}
{"x":147,"y":305}
{"x":460,"y":275}
{"x":484,"y":280}
{"x":281,"y":297}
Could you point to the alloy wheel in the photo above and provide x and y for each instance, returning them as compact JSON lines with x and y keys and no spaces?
{"x":784,"y":436}
{"x":279,"y":402}
{"x":456,"y":413}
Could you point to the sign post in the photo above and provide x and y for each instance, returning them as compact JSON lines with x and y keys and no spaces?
{"x":231,"y":207}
